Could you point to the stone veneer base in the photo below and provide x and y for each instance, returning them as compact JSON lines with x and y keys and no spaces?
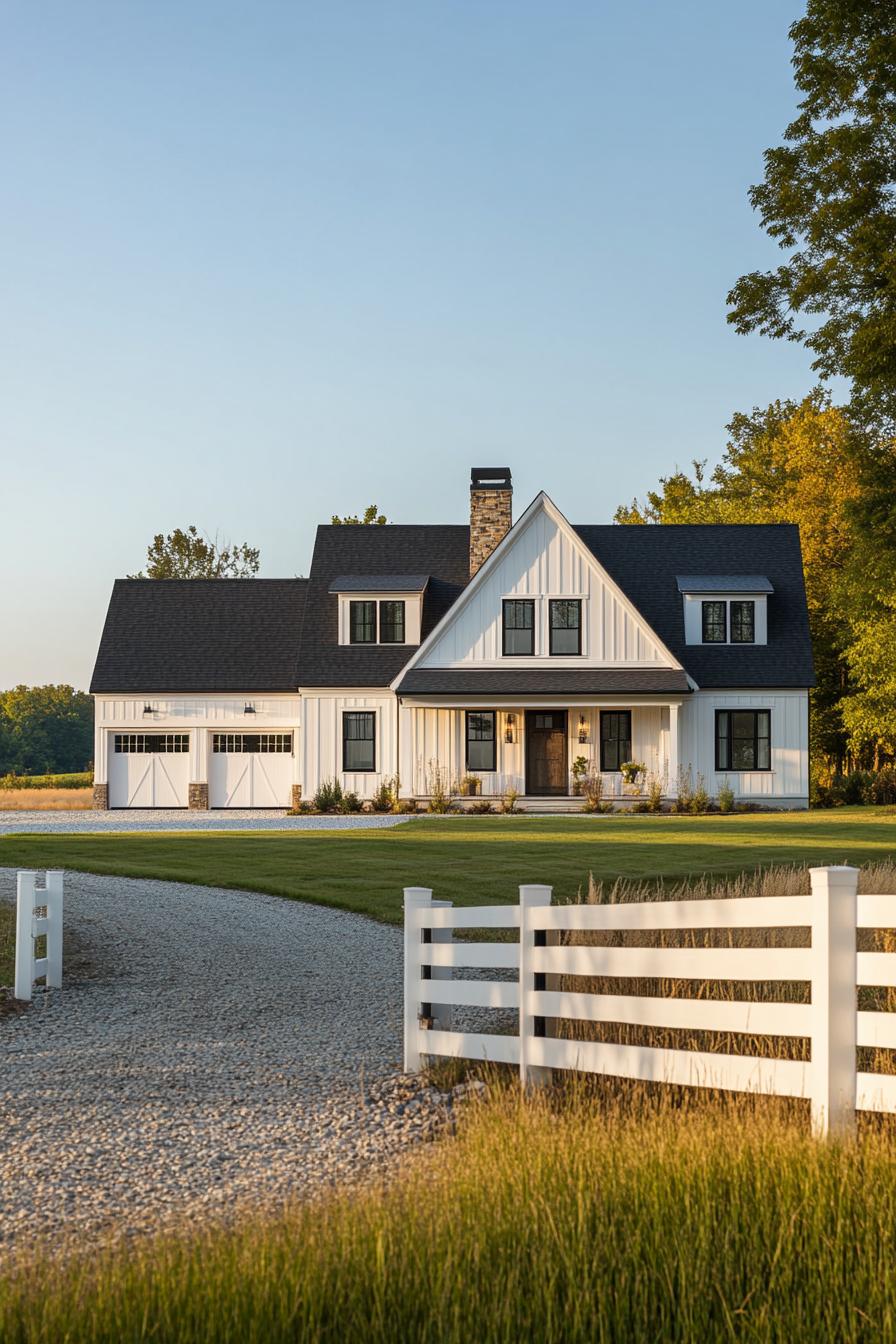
{"x":101,"y":797}
{"x":197,"y":798}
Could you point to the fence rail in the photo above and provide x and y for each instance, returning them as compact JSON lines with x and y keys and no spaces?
{"x":831,"y":966}
{"x":30,"y":898}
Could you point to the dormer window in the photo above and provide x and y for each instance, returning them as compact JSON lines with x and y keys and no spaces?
{"x":715,"y":623}
{"x":362,"y":622}
{"x":743,"y":622}
{"x":391,"y":622}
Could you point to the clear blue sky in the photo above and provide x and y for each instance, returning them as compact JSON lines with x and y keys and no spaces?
{"x":264,"y":262}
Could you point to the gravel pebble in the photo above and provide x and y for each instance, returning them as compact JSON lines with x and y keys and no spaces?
{"x":73,"y":822}
{"x":209,"y":1048}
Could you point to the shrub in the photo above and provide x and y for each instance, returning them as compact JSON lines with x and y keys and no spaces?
{"x":654,"y":788}
{"x":440,"y":796}
{"x":593,"y":788}
{"x":579,"y":771}
{"x":883,"y":786}
{"x":700,"y":797}
{"x":83,"y":780}
{"x":385,"y":799}
{"x":406,"y":806}
{"x":482,"y":807}
{"x":508,"y":801}
{"x":726,"y":798}
{"x":350,"y":802}
{"x":328,"y":796}
{"x":685,"y":789}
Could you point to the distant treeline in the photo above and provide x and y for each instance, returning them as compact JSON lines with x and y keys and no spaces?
{"x":45,"y":730}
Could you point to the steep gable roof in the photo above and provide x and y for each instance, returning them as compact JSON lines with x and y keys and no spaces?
{"x":645,"y":560}
{"x":194,"y":635}
{"x":441,"y":552}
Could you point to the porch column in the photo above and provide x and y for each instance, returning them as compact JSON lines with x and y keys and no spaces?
{"x":672,"y":760}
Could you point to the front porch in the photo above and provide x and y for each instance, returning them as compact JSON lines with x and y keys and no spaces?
{"x":536,"y":749}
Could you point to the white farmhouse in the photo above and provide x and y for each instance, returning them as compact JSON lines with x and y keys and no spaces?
{"x":502,"y":650}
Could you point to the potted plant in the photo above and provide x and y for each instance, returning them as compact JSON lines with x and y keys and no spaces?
{"x":470,"y":786}
{"x":579,"y":771}
{"x":631,"y":772}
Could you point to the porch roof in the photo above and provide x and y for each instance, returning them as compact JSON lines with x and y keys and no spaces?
{"x":539,"y":681}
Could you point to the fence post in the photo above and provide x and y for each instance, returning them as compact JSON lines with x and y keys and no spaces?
{"x":54,"y":930}
{"x":532,"y":896}
{"x":416,"y":900}
{"x":25,"y":883}
{"x":834,"y":1008}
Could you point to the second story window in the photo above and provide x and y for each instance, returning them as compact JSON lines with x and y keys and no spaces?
{"x":566,"y":626}
{"x":743,"y":622}
{"x":715,"y":625}
{"x":519,"y":627}
{"x":391,"y":622}
{"x":362,"y":622}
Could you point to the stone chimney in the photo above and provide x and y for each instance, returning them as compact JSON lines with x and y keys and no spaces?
{"x":491,"y":496}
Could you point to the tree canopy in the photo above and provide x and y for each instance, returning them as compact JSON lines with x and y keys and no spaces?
{"x":370,"y":518}
{"x":45,"y":730}
{"x":828,"y":199}
{"x":187,"y":555}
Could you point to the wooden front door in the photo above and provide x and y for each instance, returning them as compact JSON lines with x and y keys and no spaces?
{"x":547,"y":770}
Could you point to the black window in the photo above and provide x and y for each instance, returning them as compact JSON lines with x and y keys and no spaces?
{"x":481,"y":740}
{"x":138,"y":743}
{"x":362,"y":622}
{"x":566,"y":626}
{"x":743,"y":739}
{"x":358,"y":746}
{"x":391,"y":622}
{"x":615,"y":738}
{"x":743,"y":622}
{"x":254,"y":742}
{"x":714,"y":625}
{"x":519,"y":627}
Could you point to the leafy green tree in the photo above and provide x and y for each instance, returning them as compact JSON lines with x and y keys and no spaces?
{"x":45,"y":730}
{"x":187,"y":555}
{"x":828,"y":199}
{"x":371,"y":518}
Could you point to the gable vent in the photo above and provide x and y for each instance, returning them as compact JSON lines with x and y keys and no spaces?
{"x":491,"y":500}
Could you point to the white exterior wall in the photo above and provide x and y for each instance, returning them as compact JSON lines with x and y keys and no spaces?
{"x":788,"y":780}
{"x":322,"y":739}
{"x":196,"y":715}
{"x":545,"y":562}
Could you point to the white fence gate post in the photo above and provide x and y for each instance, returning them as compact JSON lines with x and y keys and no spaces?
{"x":416,"y":899}
{"x":25,"y":884}
{"x":54,"y":929}
{"x":834,"y":1008}
{"x":531,"y":896}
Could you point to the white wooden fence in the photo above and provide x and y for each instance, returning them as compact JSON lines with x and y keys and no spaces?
{"x":833,"y":967}
{"x":29,"y":925}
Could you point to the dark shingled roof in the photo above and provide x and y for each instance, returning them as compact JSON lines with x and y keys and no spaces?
{"x":550,"y":681}
{"x":201,"y":635}
{"x":441,"y":552}
{"x":645,"y":559}
{"x":723,"y":583}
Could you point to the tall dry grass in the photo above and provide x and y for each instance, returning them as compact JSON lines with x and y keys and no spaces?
{"x":554,"y":1220}
{"x":45,"y":800}
{"x":780,"y":881}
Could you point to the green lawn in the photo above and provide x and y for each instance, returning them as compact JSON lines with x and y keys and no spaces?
{"x":469,"y":860}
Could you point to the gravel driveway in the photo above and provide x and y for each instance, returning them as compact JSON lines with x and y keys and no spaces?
{"x":208,"y":1047}
{"x":179,"y":819}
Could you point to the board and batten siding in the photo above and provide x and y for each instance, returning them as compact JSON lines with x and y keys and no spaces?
{"x":788,"y":779}
{"x":545,"y":562}
{"x":322,"y":740}
{"x":196,"y":715}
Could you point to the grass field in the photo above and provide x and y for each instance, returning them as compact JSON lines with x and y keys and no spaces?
{"x":469,"y":860}
{"x":552,"y":1221}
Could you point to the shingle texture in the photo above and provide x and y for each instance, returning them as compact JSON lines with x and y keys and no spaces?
{"x":545,"y":681}
{"x":723,"y":583}
{"x":644,"y":561}
{"x":201,"y":635}
{"x":440,"y":552}
{"x":379,"y":583}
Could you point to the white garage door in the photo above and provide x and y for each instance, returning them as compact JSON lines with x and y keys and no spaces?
{"x":149,"y":769}
{"x":250,"y":770}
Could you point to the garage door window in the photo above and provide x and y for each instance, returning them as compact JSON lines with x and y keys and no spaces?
{"x":254,"y":742}
{"x":143,"y":742}
{"x":358,"y":748}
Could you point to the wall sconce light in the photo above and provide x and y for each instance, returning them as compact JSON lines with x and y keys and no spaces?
{"x":583,"y":728}
{"x":147,"y":709}
{"x":509,"y":727}
{"x":249,"y":709}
